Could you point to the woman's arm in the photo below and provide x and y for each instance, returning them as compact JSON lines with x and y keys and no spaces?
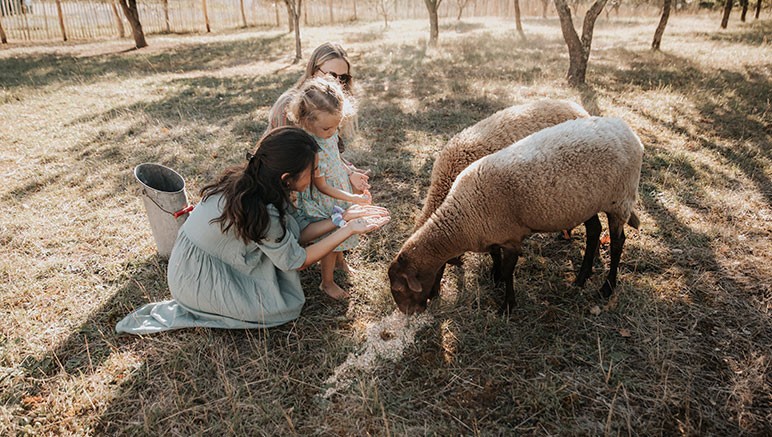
{"x":318,"y":250}
{"x":320,"y":182}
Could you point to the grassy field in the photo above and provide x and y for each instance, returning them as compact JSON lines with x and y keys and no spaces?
{"x":685,"y":350}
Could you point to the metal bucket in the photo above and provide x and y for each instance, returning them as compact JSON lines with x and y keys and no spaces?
{"x":163,"y":193}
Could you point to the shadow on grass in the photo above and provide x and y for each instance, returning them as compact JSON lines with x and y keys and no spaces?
{"x":43,"y":70}
{"x":731,"y":107}
{"x":755,"y":33}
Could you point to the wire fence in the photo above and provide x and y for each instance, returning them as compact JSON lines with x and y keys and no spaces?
{"x":40,"y":20}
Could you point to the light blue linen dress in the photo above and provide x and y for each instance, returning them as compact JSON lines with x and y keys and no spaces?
{"x":218,"y":281}
{"x":319,"y":206}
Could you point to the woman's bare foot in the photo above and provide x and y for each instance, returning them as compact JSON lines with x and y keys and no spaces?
{"x":334,"y":291}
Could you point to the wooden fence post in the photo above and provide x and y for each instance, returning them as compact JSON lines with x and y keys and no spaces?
{"x":206,"y":16}
{"x":118,"y":21}
{"x":61,"y":19}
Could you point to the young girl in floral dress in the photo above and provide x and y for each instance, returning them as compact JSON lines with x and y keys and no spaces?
{"x":319,"y":106}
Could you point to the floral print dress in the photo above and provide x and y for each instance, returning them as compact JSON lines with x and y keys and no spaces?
{"x":318,"y":205}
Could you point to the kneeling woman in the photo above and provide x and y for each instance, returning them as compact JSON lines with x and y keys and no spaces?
{"x":235,"y":262}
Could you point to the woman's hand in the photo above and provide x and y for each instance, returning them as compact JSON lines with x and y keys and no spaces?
{"x":360,"y":180}
{"x":367,"y":224}
{"x":358,"y":211}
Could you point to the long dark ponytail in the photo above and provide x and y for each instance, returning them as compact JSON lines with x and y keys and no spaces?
{"x":248,"y":189}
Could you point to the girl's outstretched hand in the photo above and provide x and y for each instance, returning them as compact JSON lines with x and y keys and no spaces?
{"x":362,"y":199}
{"x":357,"y":211}
{"x":367,"y":224}
{"x":359,"y":180}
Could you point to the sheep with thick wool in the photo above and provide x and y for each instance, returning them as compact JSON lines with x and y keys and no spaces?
{"x":554,"y":179}
{"x":487,"y":136}
{"x":490,"y":135}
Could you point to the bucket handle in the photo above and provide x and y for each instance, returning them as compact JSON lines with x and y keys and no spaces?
{"x":175,"y":214}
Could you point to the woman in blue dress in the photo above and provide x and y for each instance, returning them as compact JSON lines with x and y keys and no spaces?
{"x":236,"y":259}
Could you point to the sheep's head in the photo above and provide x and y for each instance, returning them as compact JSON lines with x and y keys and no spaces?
{"x":410,"y":288}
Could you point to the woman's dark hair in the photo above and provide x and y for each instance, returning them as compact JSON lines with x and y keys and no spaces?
{"x":247,"y":189}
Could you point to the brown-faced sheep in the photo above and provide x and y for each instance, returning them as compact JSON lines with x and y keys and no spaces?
{"x":554,"y":179}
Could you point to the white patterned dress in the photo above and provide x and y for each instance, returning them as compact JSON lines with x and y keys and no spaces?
{"x":317,"y":205}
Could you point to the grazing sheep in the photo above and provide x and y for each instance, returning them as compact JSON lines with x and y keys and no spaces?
{"x":487,"y":136}
{"x":491,"y":135}
{"x":554,"y":179}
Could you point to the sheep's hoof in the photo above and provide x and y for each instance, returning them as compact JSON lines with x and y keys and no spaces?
{"x":506,"y":309}
{"x":496,"y":277}
{"x":607,"y":290}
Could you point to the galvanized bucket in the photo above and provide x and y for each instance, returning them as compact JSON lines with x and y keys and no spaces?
{"x":163,"y":193}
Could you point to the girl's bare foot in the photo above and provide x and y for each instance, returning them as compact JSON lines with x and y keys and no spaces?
{"x":342,"y":265}
{"x":334,"y":291}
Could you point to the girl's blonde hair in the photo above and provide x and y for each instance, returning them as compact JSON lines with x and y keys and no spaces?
{"x":319,"y":95}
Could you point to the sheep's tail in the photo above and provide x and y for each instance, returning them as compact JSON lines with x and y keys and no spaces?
{"x":633,"y":220}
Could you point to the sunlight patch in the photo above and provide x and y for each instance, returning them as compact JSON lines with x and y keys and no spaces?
{"x":386,"y":339}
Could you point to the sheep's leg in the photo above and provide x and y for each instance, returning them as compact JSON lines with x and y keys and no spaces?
{"x":592,"y":229}
{"x":495,"y":252}
{"x":508,"y":270}
{"x":437,"y":283}
{"x":617,"y":233}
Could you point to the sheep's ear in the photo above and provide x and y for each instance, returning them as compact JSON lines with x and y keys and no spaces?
{"x":412,"y":282}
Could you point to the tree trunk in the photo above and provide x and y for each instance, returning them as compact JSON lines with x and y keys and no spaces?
{"x":61,"y":19}
{"x":118,"y":21}
{"x":167,"y":23}
{"x":132,"y":14}
{"x":206,"y":16}
{"x":544,"y":5}
{"x":355,"y":10}
{"x":744,"y":4}
{"x":661,"y":27}
{"x":243,"y":14}
{"x":518,"y":24}
{"x":3,"y":38}
{"x":434,"y":22}
{"x":290,"y":15}
{"x":727,"y":10}
{"x":758,"y":8}
{"x":329,"y":6}
{"x":276,"y":10}
{"x":578,"y":49}
{"x":294,"y":7}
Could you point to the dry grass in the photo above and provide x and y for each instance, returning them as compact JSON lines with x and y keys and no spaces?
{"x":686,"y":349}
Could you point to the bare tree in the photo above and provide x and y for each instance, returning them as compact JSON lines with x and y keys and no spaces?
{"x":727,"y":11}
{"x":758,"y":8}
{"x":290,"y":17}
{"x":518,"y":24}
{"x":578,"y":49}
{"x":434,"y":21}
{"x":661,"y":26}
{"x":744,"y":4}
{"x":544,"y":5}
{"x":293,"y":8}
{"x":3,"y":38}
{"x":461,"y":5}
{"x":382,"y":9}
{"x":132,"y":14}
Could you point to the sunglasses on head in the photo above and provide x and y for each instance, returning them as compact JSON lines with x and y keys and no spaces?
{"x":342,"y":78}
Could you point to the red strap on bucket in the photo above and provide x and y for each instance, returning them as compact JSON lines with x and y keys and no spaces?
{"x":185,"y":210}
